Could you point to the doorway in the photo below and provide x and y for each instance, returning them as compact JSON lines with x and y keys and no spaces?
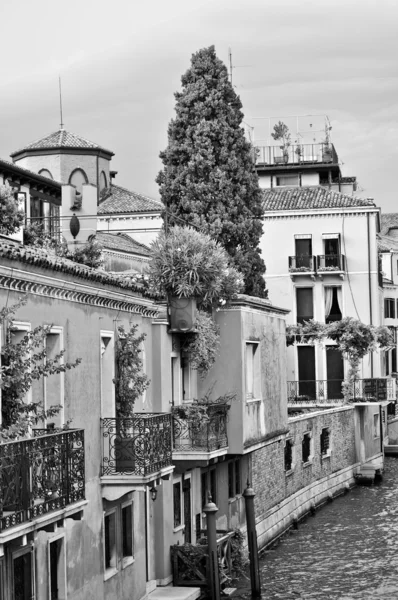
{"x":23,"y":574}
{"x":306,"y":371}
{"x":335,"y":372}
{"x":186,"y":488}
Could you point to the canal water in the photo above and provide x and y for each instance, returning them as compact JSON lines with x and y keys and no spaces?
{"x":348,"y":550}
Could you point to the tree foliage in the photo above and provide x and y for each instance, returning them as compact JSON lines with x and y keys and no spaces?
{"x":353,"y":338}
{"x":185,"y":263}
{"x":203,"y":347}
{"x":11,"y":217}
{"x":130,"y":382}
{"x":208,"y":179}
{"x":22,"y":363}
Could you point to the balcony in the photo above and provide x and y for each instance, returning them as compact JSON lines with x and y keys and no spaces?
{"x":296,"y":154}
{"x":200,"y":440}
{"x":40,"y":475}
{"x":308,"y":393}
{"x":330,"y":264}
{"x":302,"y":265}
{"x":136,"y":451}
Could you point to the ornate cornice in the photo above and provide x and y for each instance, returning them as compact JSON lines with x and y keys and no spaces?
{"x":18,"y":282}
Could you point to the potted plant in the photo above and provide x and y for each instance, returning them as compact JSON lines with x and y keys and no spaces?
{"x":281,"y":133}
{"x":189,"y":265}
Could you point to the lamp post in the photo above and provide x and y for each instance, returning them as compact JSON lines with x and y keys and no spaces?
{"x":211,"y":509}
{"x":249,"y":495}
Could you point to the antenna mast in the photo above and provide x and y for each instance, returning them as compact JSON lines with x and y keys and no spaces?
{"x":230,"y":64}
{"x":60,"y":102}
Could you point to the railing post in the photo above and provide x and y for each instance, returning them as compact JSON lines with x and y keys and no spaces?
{"x":214,"y":580}
{"x":249,"y":495}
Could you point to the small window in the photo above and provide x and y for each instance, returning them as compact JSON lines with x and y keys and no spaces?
{"x":253,"y":375}
{"x":306,"y":448}
{"x":288,"y":180}
{"x":289,"y":455}
{"x":325,"y":441}
{"x":237,"y":478}
{"x":110,"y":540}
{"x":103,"y":181}
{"x":389,"y":308}
{"x":305,"y":304}
{"x":46,"y":173}
{"x":177,"y":503}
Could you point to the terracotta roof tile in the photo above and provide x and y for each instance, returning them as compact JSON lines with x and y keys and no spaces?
{"x":388,"y":221}
{"x":121,"y":201}
{"x":61,"y":139}
{"x":121,"y":242}
{"x":309,"y":198}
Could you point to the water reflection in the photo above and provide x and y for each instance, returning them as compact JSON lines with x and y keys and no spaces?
{"x":348,"y":550}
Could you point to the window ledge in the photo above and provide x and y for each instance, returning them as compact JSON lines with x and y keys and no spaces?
{"x":179,"y":528}
{"x":324,"y":456}
{"x":127,"y":560}
{"x":307,"y":464}
{"x":251,"y":400}
{"x":290,"y":472}
{"x":110,"y":573}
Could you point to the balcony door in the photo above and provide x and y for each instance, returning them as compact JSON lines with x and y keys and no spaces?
{"x":335,"y":372}
{"x":306,"y":371}
{"x":303,"y":253}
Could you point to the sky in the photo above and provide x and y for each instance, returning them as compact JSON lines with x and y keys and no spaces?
{"x":120,"y":63}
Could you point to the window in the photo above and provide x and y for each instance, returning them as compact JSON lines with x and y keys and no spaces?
{"x":376,"y":425}
{"x":303,"y":252}
{"x":306,"y":448}
{"x":325,"y":441}
{"x":389,"y":308}
{"x":54,"y":384}
{"x":118,"y":537}
{"x":288,"y":180}
{"x":289,"y":455}
{"x":177,"y":504}
{"x":203,"y":482}
{"x":333,"y":303}
{"x":188,"y":378}
{"x":253,"y":375}
{"x":127,"y":530}
{"x":110,"y":540}
{"x":107,"y":364}
{"x":57,"y":568}
{"x":103,"y":181}
{"x":332,"y":246}
{"x":304,"y":304}
{"x":234,"y":484}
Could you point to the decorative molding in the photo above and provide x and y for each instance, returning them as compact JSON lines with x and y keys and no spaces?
{"x":71,"y":294}
{"x":128,"y":217}
{"x":128,"y":254}
{"x":322,"y":215}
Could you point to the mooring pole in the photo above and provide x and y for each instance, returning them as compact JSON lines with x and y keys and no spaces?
{"x":249,"y":495}
{"x":211,"y":509}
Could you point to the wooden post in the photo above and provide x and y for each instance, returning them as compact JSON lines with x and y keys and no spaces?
{"x":249,"y":495}
{"x":214,"y":580}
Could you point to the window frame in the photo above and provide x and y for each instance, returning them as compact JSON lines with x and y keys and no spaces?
{"x":234,"y":479}
{"x":390,"y":308}
{"x":307,"y":435}
{"x":252,"y":371}
{"x":299,"y":288}
{"x":121,"y":561}
{"x":52,"y":540}
{"x":111,"y":570}
{"x":127,"y":559}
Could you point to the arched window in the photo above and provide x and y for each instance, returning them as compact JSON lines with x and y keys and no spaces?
{"x":77,"y":178}
{"x":46,"y":173}
{"x":103,"y":181}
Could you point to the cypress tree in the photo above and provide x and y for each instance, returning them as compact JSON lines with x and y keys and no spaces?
{"x":208,"y":179}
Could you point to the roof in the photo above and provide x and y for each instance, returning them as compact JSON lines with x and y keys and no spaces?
{"x":121,"y":201}
{"x":39,"y":257}
{"x":388,"y":221}
{"x":121,"y":242}
{"x":61,"y":139}
{"x":10,"y":166}
{"x":305,"y":198}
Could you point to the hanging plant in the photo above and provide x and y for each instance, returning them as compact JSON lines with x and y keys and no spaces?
{"x":203,"y":346}
{"x":130,"y":382}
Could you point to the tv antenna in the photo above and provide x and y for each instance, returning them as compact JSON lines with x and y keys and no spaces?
{"x":230,"y":64}
{"x":60,"y":101}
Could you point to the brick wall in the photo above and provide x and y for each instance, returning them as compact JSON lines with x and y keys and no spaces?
{"x":271,"y":483}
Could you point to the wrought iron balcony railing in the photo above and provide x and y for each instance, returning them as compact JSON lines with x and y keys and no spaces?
{"x":330,"y":391}
{"x":302,"y":264}
{"x":40,"y":475}
{"x":139,"y":445}
{"x":330,"y":262}
{"x":295,"y":154}
{"x":208,"y":434}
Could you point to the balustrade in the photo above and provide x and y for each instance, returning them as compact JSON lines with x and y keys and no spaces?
{"x":208,"y":433}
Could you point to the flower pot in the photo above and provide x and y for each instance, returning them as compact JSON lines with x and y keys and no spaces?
{"x":182,"y":312}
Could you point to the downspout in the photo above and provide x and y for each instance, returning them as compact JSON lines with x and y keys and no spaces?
{"x":370,"y":291}
{"x":97,"y":180}
{"x":146,"y":534}
{"x":381,"y":428}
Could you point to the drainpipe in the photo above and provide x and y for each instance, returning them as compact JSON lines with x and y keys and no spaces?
{"x":146,"y":534}
{"x":370,"y":290}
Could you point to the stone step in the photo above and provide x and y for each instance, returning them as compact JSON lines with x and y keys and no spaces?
{"x":174,"y":593}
